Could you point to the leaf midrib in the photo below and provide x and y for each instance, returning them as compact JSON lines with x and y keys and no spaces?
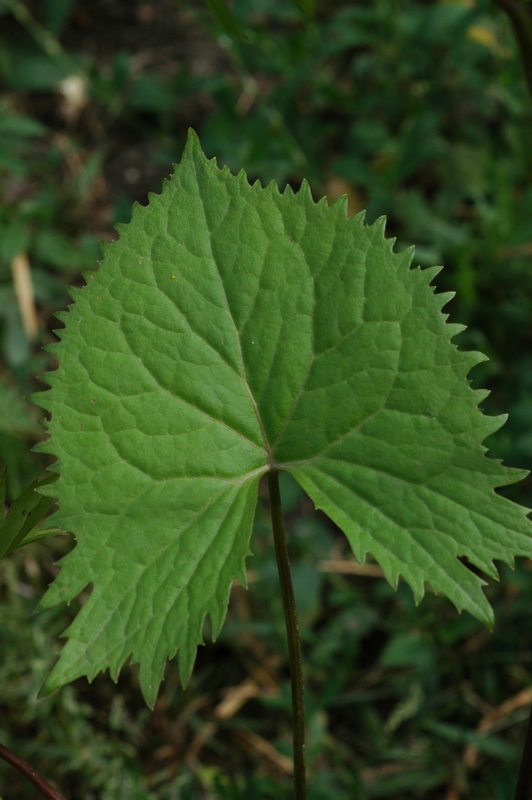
{"x":267,"y":448}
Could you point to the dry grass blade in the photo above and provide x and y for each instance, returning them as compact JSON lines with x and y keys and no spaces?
{"x":495,"y":718}
{"x":20,"y":268}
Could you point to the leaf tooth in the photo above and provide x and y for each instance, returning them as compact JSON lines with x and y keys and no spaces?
{"x":90,"y":274}
{"x":452,"y":329}
{"x":379,"y":226}
{"x":340,"y":206}
{"x":391,"y":572}
{"x":271,"y":187}
{"x":63,"y":316}
{"x":408,"y":256}
{"x":106,"y":249}
{"x":121,"y":228}
{"x":492,"y":424}
{"x":213,"y":163}
{"x":51,"y":347}
{"x":59,"y":333}
{"x":487,"y":566}
{"x":136,"y":211}
{"x":408,"y":260}
{"x":305,"y":192}
{"x":243,"y":179}
{"x":35,"y":397}
{"x":481,"y":395}
{"x":74,"y":292}
{"x":470,"y":359}
{"x":168,"y":180}
{"x":187,"y":657}
{"x":358,"y":220}
{"x":429,"y":273}
{"x":442,"y":298}
{"x":43,"y":447}
{"x":115,"y":667}
{"x":217,"y":617}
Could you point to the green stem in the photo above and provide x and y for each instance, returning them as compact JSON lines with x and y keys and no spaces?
{"x":49,"y":43}
{"x":292,"y":632}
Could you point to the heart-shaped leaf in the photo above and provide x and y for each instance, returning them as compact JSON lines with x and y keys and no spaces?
{"x":234,"y":330}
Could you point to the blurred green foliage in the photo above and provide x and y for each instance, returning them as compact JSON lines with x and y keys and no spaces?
{"x":417,"y":110}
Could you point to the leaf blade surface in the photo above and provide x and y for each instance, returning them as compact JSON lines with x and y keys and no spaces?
{"x":232,"y":330}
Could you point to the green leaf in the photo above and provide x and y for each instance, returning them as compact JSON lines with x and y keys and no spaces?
{"x":56,"y":14}
{"x":233,"y":330}
{"x":15,"y":417}
{"x":490,"y":745}
{"x":54,"y":248}
{"x":15,"y":238}
{"x":225,"y":17}
{"x":3,"y":487}
{"x":17,"y":528}
{"x":19,"y":126}
{"x":306,"y":5}
{"x":151,"y":93}
{"x":35,"y":72}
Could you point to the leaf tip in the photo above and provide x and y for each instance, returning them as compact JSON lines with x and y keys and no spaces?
{"x":48,"y":687}
{"x":193,"y":140}
{"x":193,"y":150}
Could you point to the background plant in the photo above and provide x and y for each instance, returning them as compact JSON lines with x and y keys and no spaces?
{"x":305,"y":98}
